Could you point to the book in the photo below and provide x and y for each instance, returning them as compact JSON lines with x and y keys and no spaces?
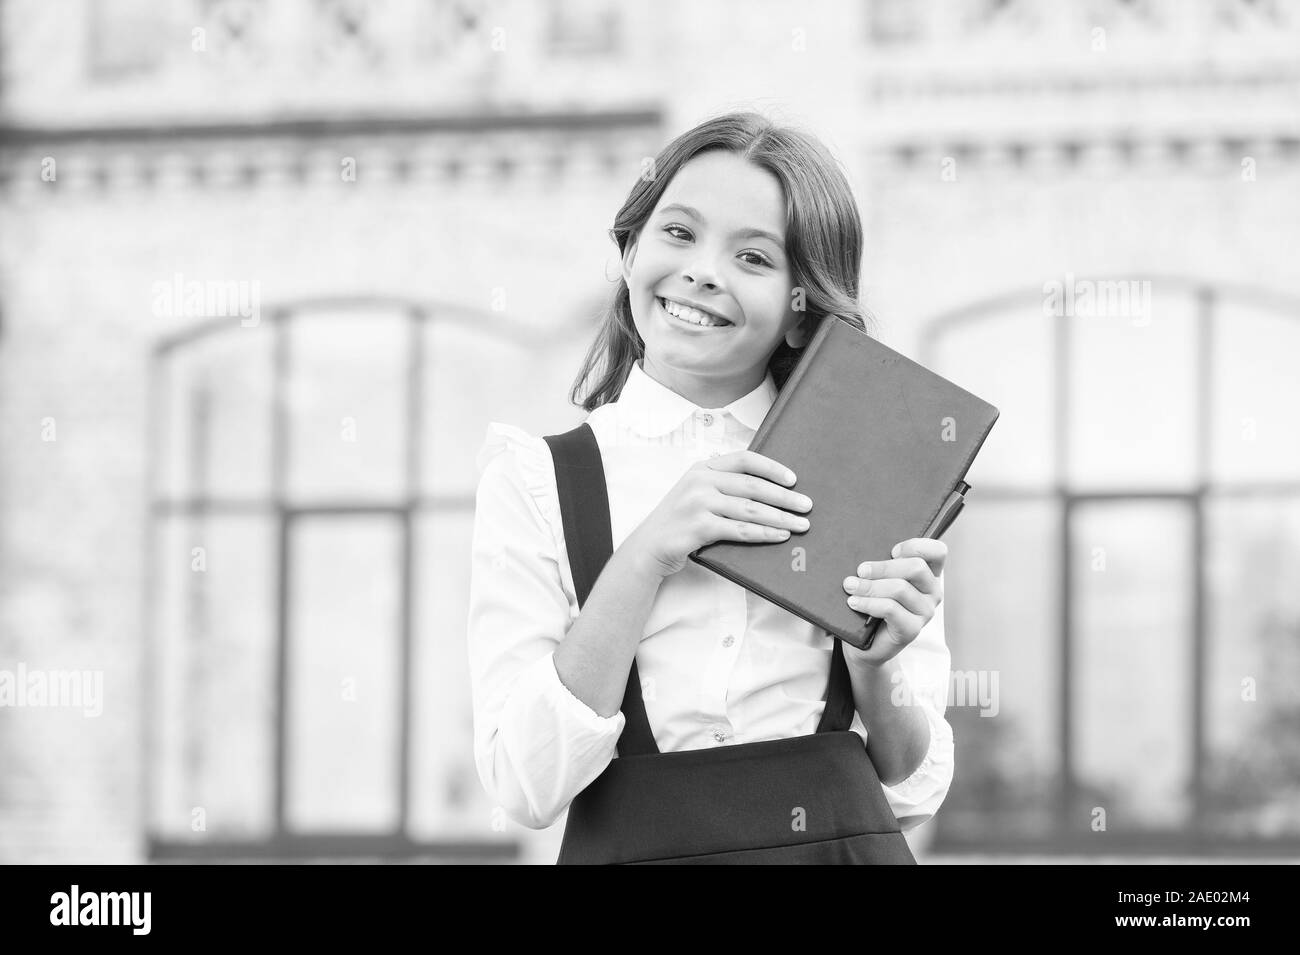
{"x":882,"y":445}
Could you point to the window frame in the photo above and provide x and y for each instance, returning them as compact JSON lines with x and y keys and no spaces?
{"x":1070,"y":801}
{"x":283,"y":842}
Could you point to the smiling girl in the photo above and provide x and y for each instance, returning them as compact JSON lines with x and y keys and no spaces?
{"x":675,"y":715}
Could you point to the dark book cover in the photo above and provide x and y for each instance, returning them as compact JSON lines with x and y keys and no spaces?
{"x":880,"y":443}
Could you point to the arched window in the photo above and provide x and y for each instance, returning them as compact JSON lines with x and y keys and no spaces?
{"x":1124,"y":576}
{"x":312,"y":504}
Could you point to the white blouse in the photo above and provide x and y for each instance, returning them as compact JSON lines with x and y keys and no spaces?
{"x":718,"y":664}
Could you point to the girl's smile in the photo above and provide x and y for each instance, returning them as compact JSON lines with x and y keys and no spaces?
{"x":689,"y":318}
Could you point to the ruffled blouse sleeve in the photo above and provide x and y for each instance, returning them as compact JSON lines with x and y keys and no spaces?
{"x":531,"y":457}
{"x":536,"y":745}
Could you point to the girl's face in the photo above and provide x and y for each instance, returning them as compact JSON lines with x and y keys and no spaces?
{"x":716,"y":240}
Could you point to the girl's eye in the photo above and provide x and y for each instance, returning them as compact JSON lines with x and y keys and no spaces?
{"x":674,"y":229}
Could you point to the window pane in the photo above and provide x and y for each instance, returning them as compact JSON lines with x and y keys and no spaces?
{"x":1007,"y":361}
{"x":1253,"y":657}
{"x":128,"y":37}
{"x":1003,"y":634}
{"x":467,"y":376}
{"x":347,"y":405}
{"x":473,"y":377}
{"x":448,"y":799}
{"x":1256,"y":436}
{"x":213,"y":723}
{"x":894,"y":22}
{"x":1131,"y":645}
{"x":583,"y":27}
{"x":343,"y":694}
{"x":1132,"y":418}
{"x":217,"y":429}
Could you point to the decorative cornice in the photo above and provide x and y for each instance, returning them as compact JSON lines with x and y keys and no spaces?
{"x":329,"y":128}
{"x":1205,"y":151}
{"x":496,"y":149}
{"x":891,"y":84}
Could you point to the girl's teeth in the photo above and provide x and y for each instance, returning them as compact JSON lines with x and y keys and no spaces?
{"x":691,"y":315}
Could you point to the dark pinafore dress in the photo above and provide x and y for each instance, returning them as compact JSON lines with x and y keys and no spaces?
{"x":812,"y":799}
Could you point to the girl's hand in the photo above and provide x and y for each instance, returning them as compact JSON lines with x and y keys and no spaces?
{"x":904,"y":593}
{"x":737,"y":496}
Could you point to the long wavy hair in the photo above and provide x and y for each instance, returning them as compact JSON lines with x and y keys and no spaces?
{"x":823,"y":241}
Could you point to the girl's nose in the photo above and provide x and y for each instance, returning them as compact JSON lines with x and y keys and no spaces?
{"x":700,"y":275}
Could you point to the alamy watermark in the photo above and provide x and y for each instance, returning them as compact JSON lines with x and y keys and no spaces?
{"x":53,"y":688}
{"x":1090,"y":298}
{"x":215,"y":298}
{"x":75,"y":907}
{"x":978,"y":688}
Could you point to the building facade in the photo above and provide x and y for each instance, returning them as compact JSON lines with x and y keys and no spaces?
{"x":268,"y":269}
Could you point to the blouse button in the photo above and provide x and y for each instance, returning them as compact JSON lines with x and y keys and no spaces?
{"x":728,"y":641}
{"x":707,"y":419}
{"x":719,"y":736}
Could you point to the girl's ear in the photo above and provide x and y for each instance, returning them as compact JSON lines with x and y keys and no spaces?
{"x":629,"y":256}
{"x":798,"y":336}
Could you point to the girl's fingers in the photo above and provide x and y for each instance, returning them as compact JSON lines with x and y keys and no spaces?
{"x":749,"y":487}
{"x":915,"y":570}
{"x":896,"y":616}
{"x":934,"y":552}
{"x":756,"y":512}
{"x":900,"y":591}
{"x":751,"y":462}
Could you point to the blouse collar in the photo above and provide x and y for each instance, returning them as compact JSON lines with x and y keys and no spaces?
{"x":652,"y":409}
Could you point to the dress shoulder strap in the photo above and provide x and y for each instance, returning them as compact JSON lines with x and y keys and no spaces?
{"x":838,"y":714}
{"x":584,"y":508}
